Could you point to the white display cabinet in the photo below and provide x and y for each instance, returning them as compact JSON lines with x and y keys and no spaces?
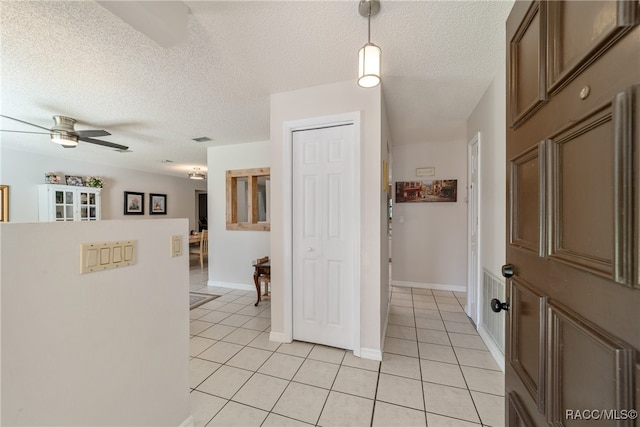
{"x":69,"y":203}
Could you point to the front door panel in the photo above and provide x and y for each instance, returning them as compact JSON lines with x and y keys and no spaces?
{"x":573,"y":329}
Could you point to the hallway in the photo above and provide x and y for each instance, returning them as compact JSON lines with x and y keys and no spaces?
{"x":436,"y":370}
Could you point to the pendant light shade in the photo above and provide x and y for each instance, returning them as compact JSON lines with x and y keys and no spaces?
{"x":369,"y":57}
{"x":369,"y":65}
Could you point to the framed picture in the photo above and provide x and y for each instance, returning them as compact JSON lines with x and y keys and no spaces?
{"x":74,"y":180}
{"x":133,"y":203}
{"x":429,"y":171}
{"x":4,"y":202}
{"x":444,"y":190}
{"x":157,"y":204}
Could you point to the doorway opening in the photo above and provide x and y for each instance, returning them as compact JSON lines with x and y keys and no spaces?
{"x":201,"y":210}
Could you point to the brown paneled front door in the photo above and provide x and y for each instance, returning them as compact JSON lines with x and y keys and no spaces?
{"x":573,"y":294}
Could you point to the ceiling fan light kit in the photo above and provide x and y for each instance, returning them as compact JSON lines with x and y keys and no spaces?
{"x":370,"y":55}
{"x":196,"y":173}
{"x":64,"y":133}
{"x":64,"y":139}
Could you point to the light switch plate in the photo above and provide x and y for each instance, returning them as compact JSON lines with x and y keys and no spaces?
{"x":102,"y":256}
{"x":176,"y":246}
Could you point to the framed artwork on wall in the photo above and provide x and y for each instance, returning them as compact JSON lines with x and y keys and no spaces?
{"x":74,"y":180}
{"x":4,"y":203}
{"x":443,"y":190}
{"x":157,"y":204}
{"x":133,"y":203}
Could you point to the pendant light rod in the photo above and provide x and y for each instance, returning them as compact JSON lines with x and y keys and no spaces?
{"x":368,"y":8}
{"x":369,"y":55}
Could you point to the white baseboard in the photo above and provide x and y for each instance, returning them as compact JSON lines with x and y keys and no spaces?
{"x":279,"y":337}
{"x":436,"y":286}
{"x":189,"y":422}
{"x":230,"y":285}
{"x":370,"y":353}
{"x":493,"y":348}
{"x":386,"y":323}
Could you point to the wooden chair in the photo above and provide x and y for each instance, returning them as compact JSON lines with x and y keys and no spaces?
{"x":264,"y":276}
{"x":202,"y":250}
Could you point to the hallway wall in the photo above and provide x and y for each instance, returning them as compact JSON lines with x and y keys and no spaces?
{"x":488,"y":118}
{"x":429,"y":239}
{"x":231,"y":252}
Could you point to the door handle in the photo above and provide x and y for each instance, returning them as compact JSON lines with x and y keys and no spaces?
{"x":508,"y":270}
{"x":496,"y":305}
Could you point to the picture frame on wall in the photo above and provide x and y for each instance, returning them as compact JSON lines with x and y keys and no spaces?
{"x":4,"y":203}
{"x":74,"y":180}
{"x":157,"y":204}
{"x":133,"y":203}
{"x":443,"y":190}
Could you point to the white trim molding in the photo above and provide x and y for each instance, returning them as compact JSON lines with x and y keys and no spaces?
{"x":493,"y":348}
{"x":371,"y":354}
{"x":279,"y":337}
{"x":189,"y":422}
{"x":230,"y":285}
{"x":435,"y":286}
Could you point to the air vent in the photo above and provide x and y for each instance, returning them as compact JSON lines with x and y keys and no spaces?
{"x":202,"y":139}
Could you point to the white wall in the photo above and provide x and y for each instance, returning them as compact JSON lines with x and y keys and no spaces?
{"x":104,"y":348}
{"x":24,"y":171}
{"x":489,"y":118}
{"x":385,"y":289}
{"x":333,"y":99}
{"x":231,"y":252}
{"x":429,"y":243}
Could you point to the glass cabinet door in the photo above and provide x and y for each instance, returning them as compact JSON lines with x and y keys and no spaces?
{"x":64,"y":205}
{"x":88,"y":206}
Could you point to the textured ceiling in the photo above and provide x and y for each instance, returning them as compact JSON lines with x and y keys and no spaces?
{"x":80,"y":60}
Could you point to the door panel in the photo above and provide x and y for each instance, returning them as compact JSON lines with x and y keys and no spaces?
{"x":527,"y":67}
{"x":323,"y":241}
{"x":581,"y":199}
{"x":607,"y":370}
{"x":527,"y":204}
{"x":573,"y":181}
{"x":517,"y":413}
{"x":526,"y":349}
{"x":580,"y":31}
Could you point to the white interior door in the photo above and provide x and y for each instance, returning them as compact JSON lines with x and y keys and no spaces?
{"x":473,"y":270}
{"x":323,"y":235}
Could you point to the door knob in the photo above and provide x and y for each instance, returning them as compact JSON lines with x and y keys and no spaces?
{"x":496,"y":305}
{"x":508,"y":270}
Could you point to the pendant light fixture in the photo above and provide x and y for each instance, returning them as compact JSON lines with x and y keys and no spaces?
{"x":196,"y":173}
{"x":369,"y":56}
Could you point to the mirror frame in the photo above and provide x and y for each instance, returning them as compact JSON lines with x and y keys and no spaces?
{"x":252,"y":176}
{"x":4,"y":197}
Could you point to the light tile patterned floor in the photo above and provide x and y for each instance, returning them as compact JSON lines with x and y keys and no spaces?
{"x":435,"y":371}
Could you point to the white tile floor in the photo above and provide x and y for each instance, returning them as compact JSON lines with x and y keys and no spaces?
{"x":435,"y":371}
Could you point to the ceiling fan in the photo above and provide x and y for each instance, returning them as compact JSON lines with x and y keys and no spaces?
{"x":64,"y":133}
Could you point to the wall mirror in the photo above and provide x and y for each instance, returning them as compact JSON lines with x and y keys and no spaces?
{"x":248,"y":199}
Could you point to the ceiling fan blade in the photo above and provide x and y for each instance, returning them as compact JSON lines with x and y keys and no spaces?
{"x":26,"y":123}
{"x":104,"y":143}
{"x":25,"y":131}
{"x":90,"y":133}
